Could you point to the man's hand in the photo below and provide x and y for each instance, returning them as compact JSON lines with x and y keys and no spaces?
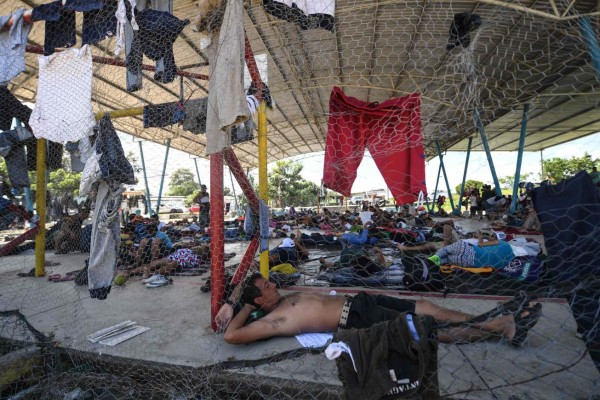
{"x":224,"y":317}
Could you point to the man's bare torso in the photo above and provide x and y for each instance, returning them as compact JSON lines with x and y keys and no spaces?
{"x":305,"y":312}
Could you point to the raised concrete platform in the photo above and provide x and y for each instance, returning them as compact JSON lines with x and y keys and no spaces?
{"x":552,"y":364}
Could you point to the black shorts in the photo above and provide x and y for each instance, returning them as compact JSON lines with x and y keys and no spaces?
{"x":367,"y":310}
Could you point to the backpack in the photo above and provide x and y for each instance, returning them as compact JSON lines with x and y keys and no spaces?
{"x":523,"y":269}
{"x":390,"y":360}
{"x":422,"y":274}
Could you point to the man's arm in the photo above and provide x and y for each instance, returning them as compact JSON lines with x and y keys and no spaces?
{"x":226,"y":311}
{"x":237,"y":333}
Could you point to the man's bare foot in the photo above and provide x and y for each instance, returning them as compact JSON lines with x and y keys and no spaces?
{"x":519,"y":325}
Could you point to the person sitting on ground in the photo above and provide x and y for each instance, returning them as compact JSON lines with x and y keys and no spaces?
{"x":68,"y":237}
{"x":289,"y":251}
{"x":299,"y":313}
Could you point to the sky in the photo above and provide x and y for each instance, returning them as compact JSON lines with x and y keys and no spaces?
{"x":369,"y":177}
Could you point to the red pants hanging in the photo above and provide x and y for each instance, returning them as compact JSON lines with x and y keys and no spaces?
{"x":392,"y":133}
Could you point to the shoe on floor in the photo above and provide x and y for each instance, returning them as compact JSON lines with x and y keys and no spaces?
{"x":159,"y":282}
{"x":153,"y":278}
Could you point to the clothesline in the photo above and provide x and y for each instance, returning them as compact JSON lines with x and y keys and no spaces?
{"x":119,"y":63}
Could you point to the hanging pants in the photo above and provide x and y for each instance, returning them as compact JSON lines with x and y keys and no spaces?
{"x":391,"y":131}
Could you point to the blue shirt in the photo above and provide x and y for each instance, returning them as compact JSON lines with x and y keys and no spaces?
{"x":497,"y":256}
{"x":165,"y":239}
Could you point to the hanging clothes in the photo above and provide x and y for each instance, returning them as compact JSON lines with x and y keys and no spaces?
{"x":68,"y":76}
{"x":13,"y":152}
{"x":306,"y":14}
{"x":195,"y":115}
{"x":243,"y":132}
{"x":76,"y":164}
{"x":155,"y":37}
{"x":91,"y":170}
{"x":461,"y":25}
{"x":160,"y":115}
{"x":392,"y":133}
{"x":54,"y":154}
{"x":99,"y":23}
{"x":265,"y":94}
{"x":226,"y":99}
{"x":60,"y":25}
{"x":12,"y":46}
{"x":11,"y":108}
{"x":122,"y":22}
{"x":113,"y":164}
{"x":263,"y":222}
{"x":104,"y":250}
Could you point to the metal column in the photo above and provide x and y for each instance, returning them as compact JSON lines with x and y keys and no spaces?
{"x":40,"y":200}
{"x":262,"y":174}
{"x":592,"y":42}
{"x":148,"y":202}
{"x":513,"y":204}
{"x":197,"y":171}
{"x":234,"y":194}
{"x":437,"y":182}
{"x":217,"y":236}
{"x":439,"y":149}
{"x":162,"y":177}
{"x":486,"y":146}
{"x":464,"y":180}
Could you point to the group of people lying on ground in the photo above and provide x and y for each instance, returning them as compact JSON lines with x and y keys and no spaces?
{"x":299,"y":313}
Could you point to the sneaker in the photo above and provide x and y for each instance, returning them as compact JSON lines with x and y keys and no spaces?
{"x":158,"y":283}
{"x":153,"y":278}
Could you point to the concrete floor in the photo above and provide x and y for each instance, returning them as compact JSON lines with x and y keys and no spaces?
{"x":552,"y":364}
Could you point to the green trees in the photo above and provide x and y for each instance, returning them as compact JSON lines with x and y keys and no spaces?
{"x":287,"y":187}
{"x":556,"y":169}
{"x":470,"y":184}
{"x":508,"y":181}
{"x":62,"y":182}
{"x":182,"y":183}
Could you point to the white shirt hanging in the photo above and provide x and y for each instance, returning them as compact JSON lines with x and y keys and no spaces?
{"x":63,"y":108}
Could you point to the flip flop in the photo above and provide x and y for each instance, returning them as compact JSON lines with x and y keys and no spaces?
{"x":51,"y":263}
{"x":514,"y":306}
{"x":26,"y":274}
{"x":524,"y":324}
{"x":54,"y":277}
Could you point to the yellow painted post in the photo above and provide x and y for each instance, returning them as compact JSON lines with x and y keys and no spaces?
{"x":40,"y":200}
{"x":263,"y":193}
{"x":126,"y":112}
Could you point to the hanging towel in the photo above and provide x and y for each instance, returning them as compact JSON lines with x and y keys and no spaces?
{"x":226,"y":99}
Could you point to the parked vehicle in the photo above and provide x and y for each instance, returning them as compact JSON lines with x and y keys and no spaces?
{"x":357,"y":200}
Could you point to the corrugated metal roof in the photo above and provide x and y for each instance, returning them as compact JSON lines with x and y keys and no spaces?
{"x":532,"y":54}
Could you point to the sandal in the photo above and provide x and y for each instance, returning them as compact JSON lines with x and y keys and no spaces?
{"x":26,"y":274}
{"x":524,"y":324}
{"x":514,"y":306}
